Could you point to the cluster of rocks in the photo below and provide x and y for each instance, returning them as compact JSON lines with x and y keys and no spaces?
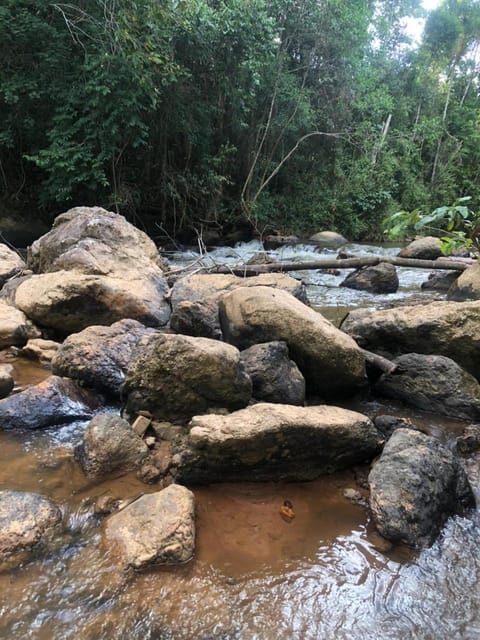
{"x":212,"y":377}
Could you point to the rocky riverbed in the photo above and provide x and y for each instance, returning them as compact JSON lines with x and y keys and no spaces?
{"x":186,"y":360}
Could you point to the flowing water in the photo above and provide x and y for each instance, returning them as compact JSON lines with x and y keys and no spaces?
{"x":325,"y":575}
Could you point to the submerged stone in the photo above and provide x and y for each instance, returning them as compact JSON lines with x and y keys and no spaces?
{"x":158,"y":528}
{"x":25,"y":519}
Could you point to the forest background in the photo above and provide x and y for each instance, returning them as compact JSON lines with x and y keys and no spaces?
{"x":286,"y":115}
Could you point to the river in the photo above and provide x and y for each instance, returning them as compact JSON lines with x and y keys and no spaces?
{"x":325,"y":575}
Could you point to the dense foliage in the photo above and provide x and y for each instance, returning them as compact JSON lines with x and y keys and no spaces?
{"x":289,"y":114}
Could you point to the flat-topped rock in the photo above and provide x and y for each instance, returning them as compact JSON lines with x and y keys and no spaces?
{"x":274,"y":442}
{"x":449,"y":329}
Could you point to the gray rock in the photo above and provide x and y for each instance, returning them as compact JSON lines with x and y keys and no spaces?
{"x":330,"y":361}
{"x":92,"y":240}
{"x":267,"y":442}
{"x":379,"y":278}
{"x":6,"y":381}
{"x":25,"y":520}
{"x":110,"y":444}
{"x":415,"y":485}
{"x":54,"y":401}
{"x":427,"y":248}
{"x":440,"y":280}
{"x":98,"y":356}
{"x":433,"y":383}
{"x":174,"y":377}
{"x":275,"y":378}
{"x":388,"y":424}
{"x":442,"y":328}
{"x":158,"y":528}
{"x":195,"y":299}
{"x":329,"y":239}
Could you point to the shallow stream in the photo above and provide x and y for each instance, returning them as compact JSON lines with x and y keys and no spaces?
{"x":325,"y":575}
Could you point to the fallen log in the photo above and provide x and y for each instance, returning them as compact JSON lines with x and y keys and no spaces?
{"x":346,"y":263}
{"x":379,"y":362}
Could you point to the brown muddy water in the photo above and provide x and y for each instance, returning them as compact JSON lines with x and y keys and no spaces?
{"x":324,"y":575}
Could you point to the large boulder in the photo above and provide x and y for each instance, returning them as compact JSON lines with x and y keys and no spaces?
{"x":433,"y":383}
{"x":26,"y":519}
{"x":98,"y":356}
{"x":15,"y":327}
{"x":275,"y":378}
{"x":93,"y":240}
{"x":379,"y":278}
{"x":267,"y":442}
{"x":195,"y":299}
{"x":328,"y":239}
{"x":443,"y":328}
{"x":110,"y":444}
{"x":94,"y":268}
{"x":11,"y":264}
{"x":415,"y":485}
{"x":426,"y":248}
{"x":330,"y":361}
{"x":69,"y":301}
{"x":467,"y":285}
{"x":175,"y":377}
{"x":54,"y":401}
{"x":158,"y":528}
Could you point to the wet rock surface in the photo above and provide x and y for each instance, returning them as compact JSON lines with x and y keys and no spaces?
{"x":380,"y":278}
{"x":267,"y":442}
{"x":110,"y":445}
{"x":98,"y":356}
{"x":433,"y":383}
{"x":56,"y":400}
{"x":275,"y":378}
{"x":25,"y":519}
{"x":195,"y":299}
{"x":175,"y":377}
{"x":441,"y":328}
{"x":330,"y":360}
{"x":415,"y":485}
{"x":158,"y":528}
